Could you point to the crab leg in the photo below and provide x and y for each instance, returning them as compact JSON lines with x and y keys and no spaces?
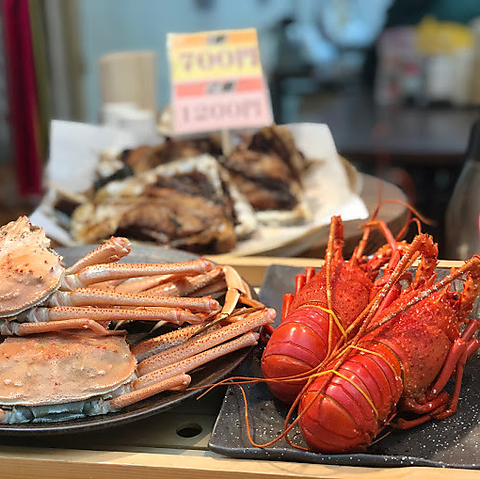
{"x":165,"y":341}
{"x":137,"y":285}
{"x":103,"y":272}
{"x":112,"y":250}
{"x":196,"y":345}
{"x":10,"y":328}
{"x":213,"y":280}
{"x":70,"y":313}
{"x":192,"y":362}
{"x":216,"y":280}
{"x":236,"y":289}
{"x":107,"y":285}
{"x":178,"y":382}
{"x":163,"y":284}
{"x":88,"y":296}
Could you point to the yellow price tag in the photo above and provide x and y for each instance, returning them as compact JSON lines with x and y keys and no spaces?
{"x":224,"y":53}
{"x":217,"y":81}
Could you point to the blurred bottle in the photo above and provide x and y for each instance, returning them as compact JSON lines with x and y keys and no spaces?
{"x":462,"y":228}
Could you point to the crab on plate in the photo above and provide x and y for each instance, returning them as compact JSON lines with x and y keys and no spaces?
{"x":66,"y":353}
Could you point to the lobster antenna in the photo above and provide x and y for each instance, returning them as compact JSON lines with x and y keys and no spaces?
{"x":405,"y":262}
{"x":247,"y":425}
{"x":334,"y":244}
{"x":420,"y":295}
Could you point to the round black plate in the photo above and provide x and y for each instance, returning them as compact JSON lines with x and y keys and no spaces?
{"x":208,"y":374}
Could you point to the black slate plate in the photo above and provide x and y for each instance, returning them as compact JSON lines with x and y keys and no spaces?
{"x":453,"y":442}
{"x":208,"y":374}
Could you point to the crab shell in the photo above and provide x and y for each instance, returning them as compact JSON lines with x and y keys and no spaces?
{"x":30,"y":269}
{"x":62,"y":367}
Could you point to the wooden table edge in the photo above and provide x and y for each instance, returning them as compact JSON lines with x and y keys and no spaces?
{"x":42,"y":463}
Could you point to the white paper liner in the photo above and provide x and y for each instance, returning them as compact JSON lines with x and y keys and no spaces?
{"x":74,"y":151}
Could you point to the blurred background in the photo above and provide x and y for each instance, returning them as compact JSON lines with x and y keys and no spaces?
{"x":397,"y":82}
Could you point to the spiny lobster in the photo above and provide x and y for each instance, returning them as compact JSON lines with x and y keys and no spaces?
{"x":400,"y":359}
{"x":323,"y":306}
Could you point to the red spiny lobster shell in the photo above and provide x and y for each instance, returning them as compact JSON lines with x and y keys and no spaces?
{"x":300,"y":342}
{"x":421,"y":338}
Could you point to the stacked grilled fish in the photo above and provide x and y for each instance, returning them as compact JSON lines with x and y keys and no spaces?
{"x":188,"y":195}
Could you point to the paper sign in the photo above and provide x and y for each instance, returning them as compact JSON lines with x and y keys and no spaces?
{"x":217,"y":81}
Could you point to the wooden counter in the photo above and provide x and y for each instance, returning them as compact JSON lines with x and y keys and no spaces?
{"x":152,"y":448}
{"x":42,"y":463}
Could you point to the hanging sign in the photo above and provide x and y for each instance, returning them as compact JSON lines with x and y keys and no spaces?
{"x":217,"y":81}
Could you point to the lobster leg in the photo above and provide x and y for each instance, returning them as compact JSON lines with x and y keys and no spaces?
{"x":467,"y":346}
{"x":300,"y":281}
{"x":287,"y":302}
{"x":464,"y":345}
{"x":440,"y":405}
{"x":453,"y":403}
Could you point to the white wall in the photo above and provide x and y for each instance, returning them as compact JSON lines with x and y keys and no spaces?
{"x":117,"y":25}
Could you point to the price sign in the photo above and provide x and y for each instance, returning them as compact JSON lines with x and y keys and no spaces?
{"x":217,"y":81}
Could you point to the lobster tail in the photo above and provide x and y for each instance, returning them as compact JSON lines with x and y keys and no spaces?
{"x":346,"y":406}
{"x":304,"y":336}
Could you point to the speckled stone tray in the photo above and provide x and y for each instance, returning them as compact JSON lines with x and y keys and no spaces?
{"x":453,"y":442}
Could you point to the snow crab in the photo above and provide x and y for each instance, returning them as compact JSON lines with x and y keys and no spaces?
{"x":74,"y":374}
{"x":37,"y":294}
{"x":65,"y":353}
